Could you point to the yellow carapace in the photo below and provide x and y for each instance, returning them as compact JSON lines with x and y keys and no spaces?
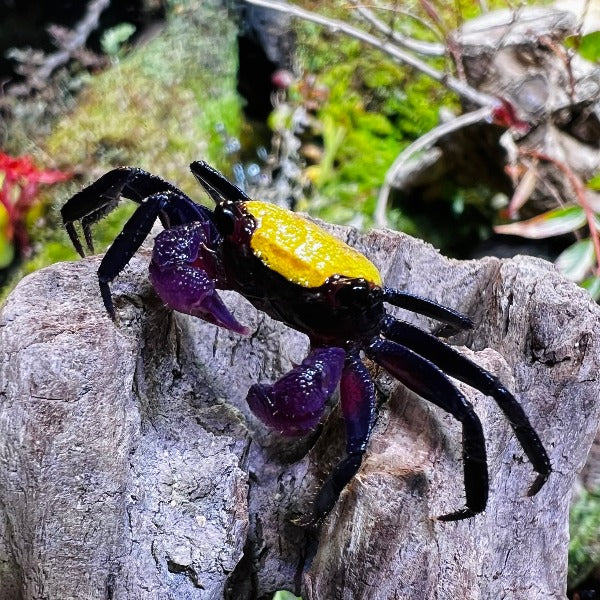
{"x":301,"y":251}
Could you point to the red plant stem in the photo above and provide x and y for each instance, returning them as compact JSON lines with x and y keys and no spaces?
{"x":579,"y":190}
{"x":433,"y":14}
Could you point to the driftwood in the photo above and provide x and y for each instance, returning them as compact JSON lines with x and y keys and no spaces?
{"x":520,"y":56}
{"x":131,"y":468}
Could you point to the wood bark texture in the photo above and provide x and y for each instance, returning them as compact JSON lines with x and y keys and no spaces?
{"x":130,"y":466}
{"x":519,"y":56}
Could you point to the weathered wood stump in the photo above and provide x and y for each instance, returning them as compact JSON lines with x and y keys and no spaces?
{"x":519,"y":56}
{"x":131,"y":468}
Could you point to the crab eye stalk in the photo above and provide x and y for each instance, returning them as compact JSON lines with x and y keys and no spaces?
{"x":224,"y":218}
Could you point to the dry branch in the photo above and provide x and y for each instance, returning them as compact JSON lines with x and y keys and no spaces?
{"x":75,"y":41}
{"x":465,"y":91}
{"x":419,"y":46}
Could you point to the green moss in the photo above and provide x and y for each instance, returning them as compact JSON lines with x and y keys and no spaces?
{"x":284,"y":595}
{"x":157,"y":108}
{"x":379,"y":105}
{"x":584,"y":547}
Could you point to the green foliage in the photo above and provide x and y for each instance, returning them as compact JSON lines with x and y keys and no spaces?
{"x":379,"y":107}
{"x":553,"y":222}
{"x":7,"y":249}
{"x":112,"y":39}
{"x":283,"y":595}
{"x":594,"y":183}
{"x":584,"y":547}
{"x":592,"y":285}
{"x":374,"y":108}
{"x":587,"y":46}
{"x":158,"y":107}
{"x":578,"y":262}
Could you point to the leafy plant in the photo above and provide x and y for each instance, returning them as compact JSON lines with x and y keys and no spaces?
{"x":580,"y":261}
{"x":587,"y":45}
{"x":113,"y":39}
{"x":364,"y":108}
{"x":20,"y":181}
{"x":284,"y":595}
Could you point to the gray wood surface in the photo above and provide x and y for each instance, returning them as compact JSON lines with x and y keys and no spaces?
{"x":131,"y":468}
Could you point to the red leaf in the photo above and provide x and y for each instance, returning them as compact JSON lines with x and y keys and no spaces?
{"x":19,"y":189}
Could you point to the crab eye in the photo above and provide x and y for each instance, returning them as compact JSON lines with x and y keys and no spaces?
{"x":224,"y":218}
{"x":352,"y":292}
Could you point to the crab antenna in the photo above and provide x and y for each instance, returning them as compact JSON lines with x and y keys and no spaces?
{"x":216,"y":185}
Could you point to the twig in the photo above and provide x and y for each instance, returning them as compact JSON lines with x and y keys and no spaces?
{"x":424,"y":142}
{"x":459,"y":87}
{"x":397,"y":11}
{"x":453,"y":49}
{"x":565,"y":57}
{"x":579,"y":190}
{"x":79,"y":36}
{"x":433,"y":14}
{"x":422,"y":47}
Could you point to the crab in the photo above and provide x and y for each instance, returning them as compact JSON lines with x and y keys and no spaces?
{"x":293,"y":270}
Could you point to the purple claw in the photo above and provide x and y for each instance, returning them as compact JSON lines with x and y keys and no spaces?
{"x":189,"y":290}
{"x":294,"y":404}
{"x":183,"y":272}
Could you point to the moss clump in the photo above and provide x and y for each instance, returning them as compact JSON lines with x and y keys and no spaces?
{"x":584,"y":547}
{"x":158,"y":108}
{"x":378,"y":107}
{"x":284,"y":595}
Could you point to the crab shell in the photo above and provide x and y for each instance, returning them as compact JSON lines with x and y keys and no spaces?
{"x":296,"y":272}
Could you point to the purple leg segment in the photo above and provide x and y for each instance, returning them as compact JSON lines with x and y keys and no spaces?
{"x":357,"y":393}
{"x":428,"y":381}
{"x":184,"y":273}
{"x":294,"y":404}
{"x":357,"y":397}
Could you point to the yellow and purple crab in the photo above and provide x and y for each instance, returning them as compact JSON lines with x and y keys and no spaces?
{"x":291,"y":269}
